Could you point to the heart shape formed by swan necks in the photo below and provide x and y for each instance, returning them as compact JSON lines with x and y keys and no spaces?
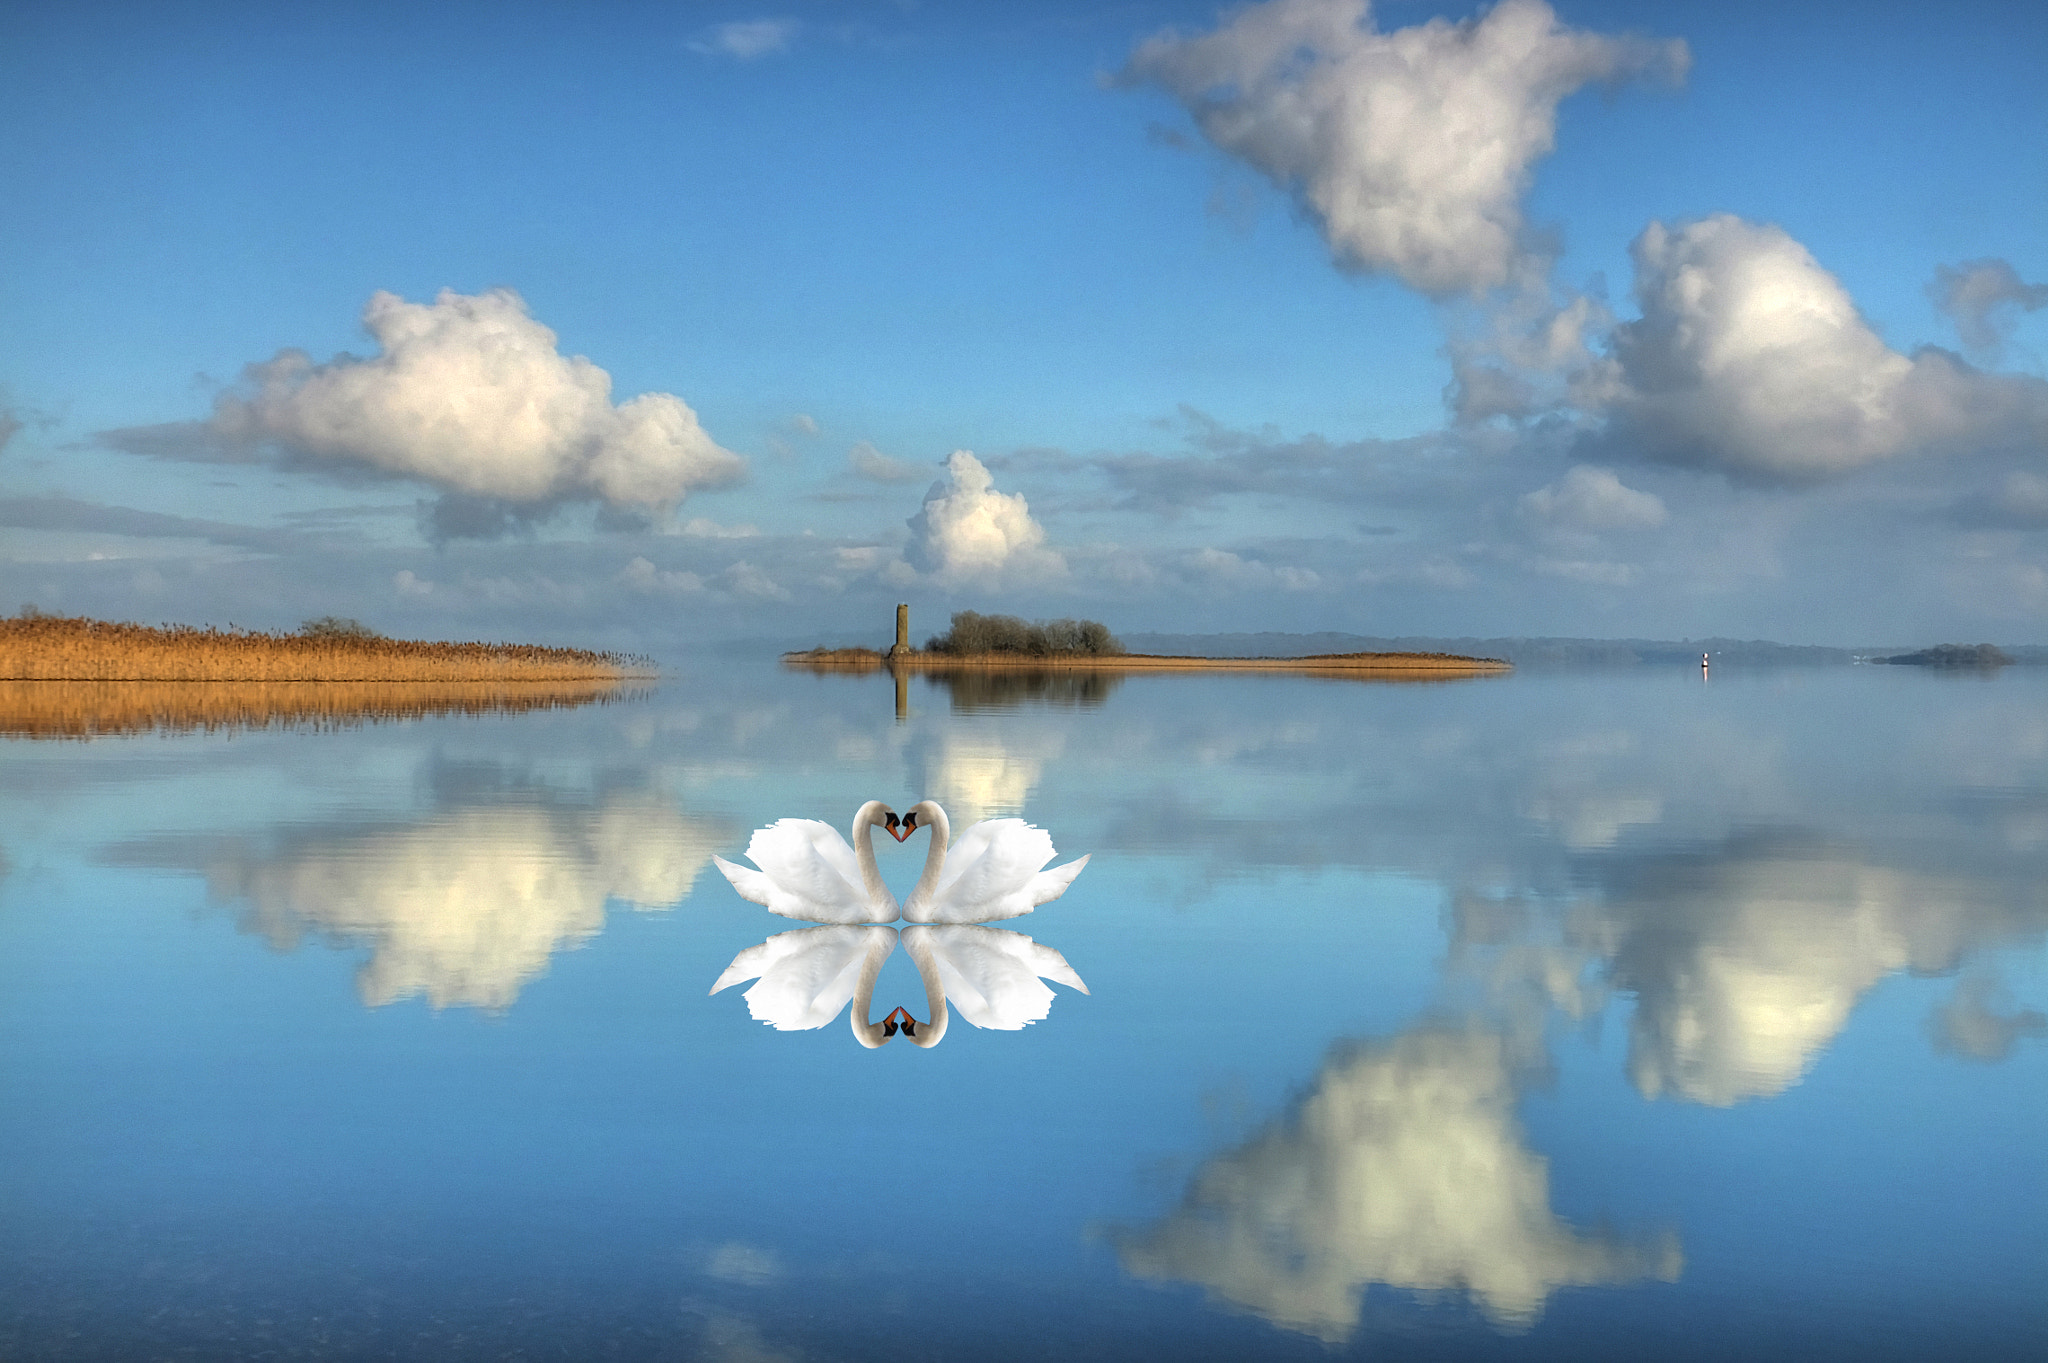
{"x":994,"y":977}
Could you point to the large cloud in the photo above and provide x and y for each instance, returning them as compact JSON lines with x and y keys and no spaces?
{"x":1752,"y":359}
{"x":1410,"y":149}
{"x":969,"y":531}
{"x":471,"y":904}
{"x":470,"y":395}
{"x":1404,"y":1166}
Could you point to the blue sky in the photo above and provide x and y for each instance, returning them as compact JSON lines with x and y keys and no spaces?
{"x":1192,"y":285}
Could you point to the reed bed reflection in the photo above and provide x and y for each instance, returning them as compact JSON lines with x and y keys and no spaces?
{"x":98,"y":709}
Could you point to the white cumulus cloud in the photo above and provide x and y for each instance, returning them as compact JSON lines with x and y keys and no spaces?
{"x":469,"y":393}
{"x":968,"y":530}
{"x":1589,"y":498}
{"x":642,"y":576}
{"x":1751,"y":358}
{"x":1411,"y":149}
{"x":750,"y":583}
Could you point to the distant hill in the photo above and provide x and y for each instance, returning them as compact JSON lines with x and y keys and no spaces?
{"x":1522,"y":652}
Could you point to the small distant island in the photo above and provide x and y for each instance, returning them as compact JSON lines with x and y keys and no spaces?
{"x":978,"y":642}
{"x":1978,"y":657}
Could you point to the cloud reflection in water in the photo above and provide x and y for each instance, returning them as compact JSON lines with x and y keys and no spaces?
{"x":1404,"y":1165}
{"x":468,"y":906}
{"x":1674,"y":865}
{"x":979,"y":775}
{"x":1977,"y":1024}
{"x":1746,"y":958}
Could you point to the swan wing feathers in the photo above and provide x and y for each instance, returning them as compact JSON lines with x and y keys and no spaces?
{"x":970,"y":847}
{"x":1047,"y":886}
{"x":807,"y":976}
{"x":807,"y":871}
{"x":992,"y":975}
{"x":992,"y":871}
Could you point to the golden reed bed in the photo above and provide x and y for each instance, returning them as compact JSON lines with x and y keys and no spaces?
{"x":64,"y":677}
{"x":56,"y":648}
{"x":1361,"y":666}
{"x":94,"y":709}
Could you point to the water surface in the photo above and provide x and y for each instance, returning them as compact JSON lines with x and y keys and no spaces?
{"x":1588,"y":1015}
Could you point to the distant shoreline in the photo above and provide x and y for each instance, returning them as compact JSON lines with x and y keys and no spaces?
{"x":1389,"y":664}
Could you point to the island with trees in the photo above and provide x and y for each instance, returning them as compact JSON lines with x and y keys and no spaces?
{"x":977,"y":642}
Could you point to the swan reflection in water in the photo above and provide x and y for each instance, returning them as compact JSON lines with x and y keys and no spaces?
{"x":992,"y":976}
{"x":995,"y":978}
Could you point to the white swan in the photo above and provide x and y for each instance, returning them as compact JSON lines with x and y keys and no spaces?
{"x":992,"y":975}
{"x":992,"y":872}
{"x":808,"y":974}
{"x":808,"y":871}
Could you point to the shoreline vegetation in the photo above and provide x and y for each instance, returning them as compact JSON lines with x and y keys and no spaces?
{"x":1005,"y":643}
{"x":37,"y":647}
{"x":73,"y":677}
{"x":1332,"y":664}
{"x":1550,"y":652}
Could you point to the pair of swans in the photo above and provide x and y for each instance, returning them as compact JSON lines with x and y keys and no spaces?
{"x":808,"y":871}
{"x":992,"y":975}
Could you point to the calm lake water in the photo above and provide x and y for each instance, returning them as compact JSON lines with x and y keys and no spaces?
{"x":1559,"y":1016}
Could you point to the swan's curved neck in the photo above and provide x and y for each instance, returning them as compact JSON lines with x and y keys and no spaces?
{"x":864,"y":821}
{"x":929,"y":813}
{"x":868,"y":1034}
{"x":917,"y":942}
